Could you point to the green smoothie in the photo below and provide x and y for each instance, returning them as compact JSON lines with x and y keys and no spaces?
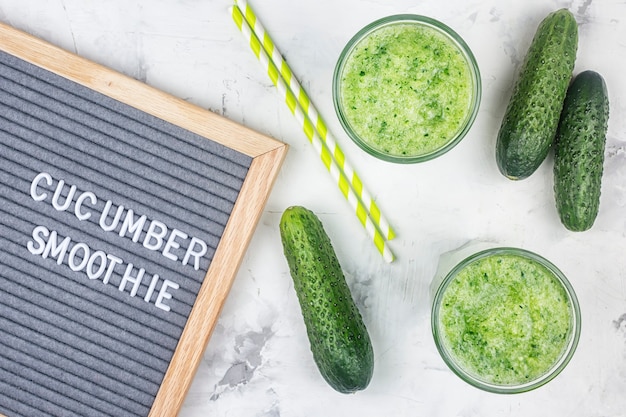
{"x":406,"y":89}
{"x":505,"y":319}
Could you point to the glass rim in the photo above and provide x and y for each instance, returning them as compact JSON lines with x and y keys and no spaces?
{"x":550,"y":373}
{"x":458,"y":42}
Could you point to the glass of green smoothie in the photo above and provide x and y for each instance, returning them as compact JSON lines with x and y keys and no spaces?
{"x":505,"y":320}
{"x":406,"y":88}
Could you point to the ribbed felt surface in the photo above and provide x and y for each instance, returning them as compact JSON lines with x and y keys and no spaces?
{"x":76,"y":338}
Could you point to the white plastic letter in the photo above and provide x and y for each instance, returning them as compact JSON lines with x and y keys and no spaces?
{"x":164,"y":295}
{"x":35,"y":183}
{"x":92,"y":260}
{"x":105,"y":214}
{"x":57,"y":196}
{"x":114,"y":262}
{"x":72,"y":256}
{"x":79,"y":204}
{"x":153,"y":283}
{"x":56,"y":250}
{"x":156,"y":232}
{"x":172,"y":244}
{"x":38,"y":232}
{"x":132,"y":226}
{"x":195,"y":253}
{"x":136,"y":280}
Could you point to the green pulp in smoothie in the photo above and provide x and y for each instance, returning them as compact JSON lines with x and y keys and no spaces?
{"x":505,"y":319}
{"x":406,"y":90}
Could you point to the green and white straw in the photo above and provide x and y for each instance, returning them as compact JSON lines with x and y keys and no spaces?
{"x":349,"y":186}
{"x":315,"y":118}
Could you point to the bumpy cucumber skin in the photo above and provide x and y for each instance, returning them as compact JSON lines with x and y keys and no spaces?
{"x":579,"y":151}
{"x":340,"y":342}
{"x":532,"y":115}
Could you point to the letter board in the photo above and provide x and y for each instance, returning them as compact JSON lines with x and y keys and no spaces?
{"x":124,"y":215}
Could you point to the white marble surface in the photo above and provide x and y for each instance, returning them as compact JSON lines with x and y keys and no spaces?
{"x":258,"y":362}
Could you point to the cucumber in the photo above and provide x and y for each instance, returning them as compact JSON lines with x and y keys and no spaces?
{"x":532,"y":114}
{"x":579,"y":151}
{"x":338,"y":337}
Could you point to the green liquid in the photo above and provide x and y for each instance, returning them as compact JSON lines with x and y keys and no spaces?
{"x":505,"y":319}
{"x":406,"y":90}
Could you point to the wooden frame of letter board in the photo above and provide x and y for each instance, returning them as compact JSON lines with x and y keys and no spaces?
{"x":267,"y":154}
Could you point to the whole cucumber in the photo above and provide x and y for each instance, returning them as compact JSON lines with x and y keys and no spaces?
{"x":532,"y":115}
{"x":339,"y":340}
{"x":579,"y":151}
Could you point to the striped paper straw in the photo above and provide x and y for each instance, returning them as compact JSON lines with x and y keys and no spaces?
{"x":312,"y":135}
{"x":312,"y":113}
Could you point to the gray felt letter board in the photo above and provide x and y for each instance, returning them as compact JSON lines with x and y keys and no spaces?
{"x":124,"y":214}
